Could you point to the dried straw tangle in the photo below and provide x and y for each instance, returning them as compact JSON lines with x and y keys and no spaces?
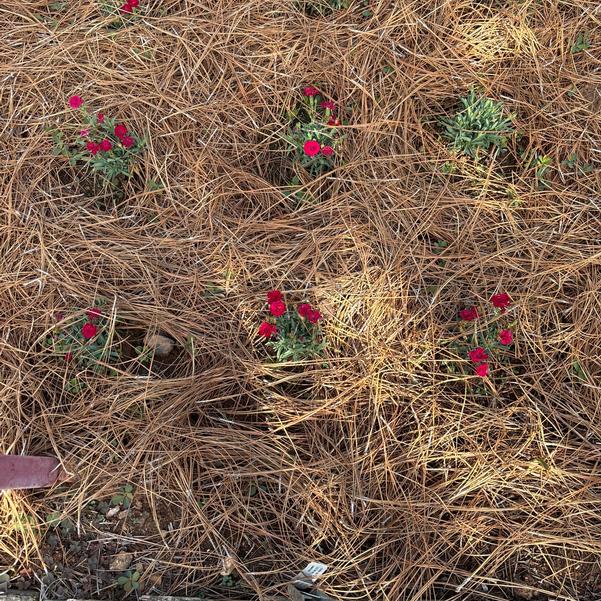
{"x":382,"y":465}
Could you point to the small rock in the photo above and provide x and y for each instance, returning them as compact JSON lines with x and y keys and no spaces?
{"x":113,"y":511}
{"x":121,"y":561}
{"x":161,"y":345}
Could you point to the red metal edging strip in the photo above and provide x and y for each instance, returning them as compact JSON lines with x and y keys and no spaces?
{"x":23,"y":471}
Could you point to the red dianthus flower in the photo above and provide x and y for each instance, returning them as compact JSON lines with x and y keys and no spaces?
{"x":274,"y":296}
{"x":267,"y":330}
{"x":92,"y":147}
{"x":277,"y":308}
{"x":311,"y":148}
{"x":469,"y":314}
{"x":482,"y":370}
{"x":93,"y":313}
{"x":478,"y":355}
{"x":89,"y":331}
{"x":501,"y":301}
{"x":120,"y":130}
{"x":304,"y":310}
{"x":75,"y":102}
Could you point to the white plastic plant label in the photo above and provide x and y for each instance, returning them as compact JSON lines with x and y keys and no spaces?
{"x":315,"y":569}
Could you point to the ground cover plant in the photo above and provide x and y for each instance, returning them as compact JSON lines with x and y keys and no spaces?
{"x":219,"y":471}
{"x":98,"y":143}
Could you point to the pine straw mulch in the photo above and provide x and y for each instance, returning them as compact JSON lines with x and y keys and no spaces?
{"x":409,"y":482}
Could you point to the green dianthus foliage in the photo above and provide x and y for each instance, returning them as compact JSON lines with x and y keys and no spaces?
{"x":479,"y":126}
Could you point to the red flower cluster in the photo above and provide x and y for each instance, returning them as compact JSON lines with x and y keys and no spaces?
{"x":121,"y":133}
{"x":479,"y":355}
{"x":105,"y":145}
{"x":310,"y":91}
{"x":277,"y":307}
{"x":328,"y":105}
{"x":313,"y":147}
{"x":500,"y":301}
{"x":129,"y":6}
{"x":307,"y":312}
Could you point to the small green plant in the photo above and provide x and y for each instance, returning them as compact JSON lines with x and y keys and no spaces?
{"x":439,"y":247}
{"x":55,"y":521}
{"x":144,"y":354}
{"x":85,"y":340}
{"x":321,"y":8}
{"x":295,"y":192}
{"x":130,"y":581}
{"x":124,"y":497}
{"x":98,"y":143}
{"x":479,"y":126}
{"x":582,"y":42}
{"x":540,"y":163}
{"x":253,"y":489}
{"x":296,"y":334}
{"x":313,"y":133}
{"x":572,"y":163}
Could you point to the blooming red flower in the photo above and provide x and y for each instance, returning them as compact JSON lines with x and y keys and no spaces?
{"x":93,"y":313}
{"x":304,"y":309}
{"x":505,"y":337}
{"x":469,"y":314}
{"x":126,"y":8}
{"x":69,"y":357}
{"x":501,"y":301}
{"x":327,"y":151}
{"x":277,"y":308}
{"x":75,"y":102}
{"x":100,"y":118}
{"x":120,"y":130}
{"x":274,"y":296}
{"x":311,"y":147}
{"x":267,"y":330}
{"x":89,"y":331}
{"x":478,"y":355}
{"x":84,"y":133}
{"x":133,"y":3}
{"x":328,"y":104}
{"x":127,"y":141}
{"x":92,"y":147}
{"x":105,"y":145}
{"x":310,"y":91}
{"x":482,"y":370}
{"x":314,"y":316}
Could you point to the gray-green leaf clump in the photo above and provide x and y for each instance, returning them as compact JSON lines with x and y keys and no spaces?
{"x":479,"y":126}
